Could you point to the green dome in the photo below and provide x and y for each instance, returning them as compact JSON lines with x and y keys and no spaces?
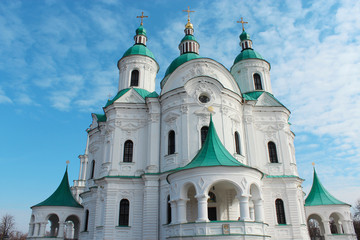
{"x":181,"y":60}
{"x":188,"y":38}
{"x":139,"y":49}
{"x":141,"y":31}
{"x":248,"y":54}
{"x":244,"y":36}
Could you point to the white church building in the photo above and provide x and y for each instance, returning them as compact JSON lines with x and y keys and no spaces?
{"x":210,"y":157}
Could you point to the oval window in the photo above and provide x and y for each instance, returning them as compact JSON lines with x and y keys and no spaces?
{"x":204,"y":98}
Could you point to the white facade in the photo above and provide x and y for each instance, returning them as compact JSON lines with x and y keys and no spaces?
{"x":248,"y":199}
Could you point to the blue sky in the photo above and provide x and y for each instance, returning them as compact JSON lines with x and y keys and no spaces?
{"x":58,"y":64}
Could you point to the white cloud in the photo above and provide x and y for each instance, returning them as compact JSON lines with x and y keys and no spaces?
{"x":3,"y":97}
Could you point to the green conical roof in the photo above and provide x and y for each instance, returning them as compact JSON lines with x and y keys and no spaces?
{"x":212,"y":153}
{"x":62,"y":196}
{"x":319,"y":195}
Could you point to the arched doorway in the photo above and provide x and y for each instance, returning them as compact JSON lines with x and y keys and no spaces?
{"x":72,"y":227}
{"x":315,"y":227}
{"x":335,"y":224}
{"x":52,"y":228}
{"x":223,"y":203}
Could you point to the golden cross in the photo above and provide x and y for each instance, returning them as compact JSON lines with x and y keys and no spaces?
{"x":188,"y":11}
{"x":67,"y":162}
{"x":142,"y":16}
{"x":242,"y":22}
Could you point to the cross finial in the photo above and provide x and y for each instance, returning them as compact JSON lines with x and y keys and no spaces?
{"x":313,"y":164}
{"x":109,"y":96}
{"x":142,"y":17}
{"x":67,"y":162}
{"x":242,"y":22}
{"x":188,"y":11}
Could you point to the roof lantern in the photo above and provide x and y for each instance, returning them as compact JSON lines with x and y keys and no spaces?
{"x":246,"y":46}
{"x":189,"y":44}
{"x":139,"y":48}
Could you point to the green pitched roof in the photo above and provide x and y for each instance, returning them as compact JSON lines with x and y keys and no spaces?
{"x":212,"y":153}
{"x":181,"y":60}
{"x":139,"y":49}
{"x":319,"y":195}
{"x":142,"y":92}
{"x":253,"y":96}
{"x":248,"y":54}
{"x":100,"y":117}
{"x":62,"y":196}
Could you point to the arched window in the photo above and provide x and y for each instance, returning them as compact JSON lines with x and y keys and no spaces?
{"x":128,"y":151}
{"x":212,"y":197}
{"x":124,"y":212}
{"x":280,"y":211}
{"x":134,"y":78}
{"x":171,"y":142}
{"x":204,"y":131}
{"x":272,"y":152}
{"x":168,"y":210}
{"x":86,"y":220}
{"x":92,"y":169}
{"x":237,"y":143}
{"x":257,"y":82}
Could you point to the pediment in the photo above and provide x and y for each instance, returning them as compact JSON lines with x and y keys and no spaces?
{"x":265,"y":100}
{"x":130,"y":97}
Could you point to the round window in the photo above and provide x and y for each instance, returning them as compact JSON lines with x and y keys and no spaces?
{"x":204,"y":98}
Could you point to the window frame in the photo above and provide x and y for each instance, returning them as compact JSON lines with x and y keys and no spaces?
{"x":171,"y":142}
{"x":273,"y":156}
{"x":257,"y":82}
{"x":134,"y":82}
{"x":280,"y":211}
{"x":237,"y":143}
{"x":124,"y":212}
{"x":128,"y":153}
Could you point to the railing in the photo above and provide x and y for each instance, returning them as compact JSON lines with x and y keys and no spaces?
{"x":217,"y":228}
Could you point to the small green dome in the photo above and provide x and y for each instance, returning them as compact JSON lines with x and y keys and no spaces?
{"x":244,"y":36}
{"x":248,"y":54}
{"x":139,"y":49}
{"x":141,"y":31}
{"x":188,"y":38}
{"x":180,"y":60}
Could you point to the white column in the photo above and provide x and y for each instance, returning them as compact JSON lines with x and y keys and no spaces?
{"x":42,"y":229}
{"x":327,"y":227}
{"x":202,"y":208}
{"x":61,"y":230}
{"x":259,"y":210}
{"x":173,"y":211}
{"x":30,"y":233}
{"x":244,"y":208}
{"x":81,"y":157}
{"x":36,"y":229}
{"x":181,"y":210}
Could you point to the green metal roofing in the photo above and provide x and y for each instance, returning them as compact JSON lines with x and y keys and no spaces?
{"x":212,"y":153}
{"x":244,"y":36}
{"x":188,"y":38}
{"x":319,"y":195}
{"x":248,"y":54}
{"x":141,"y":30}
{"x":181,"y":60}
{"x":100,"y":117}
{"x":142,"y":92}
{"x":256,"y":94}
{"x":139,"y":49}
{"x":62,"y":196}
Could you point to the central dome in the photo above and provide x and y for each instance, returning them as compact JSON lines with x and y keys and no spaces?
{"x":181,"y":60}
